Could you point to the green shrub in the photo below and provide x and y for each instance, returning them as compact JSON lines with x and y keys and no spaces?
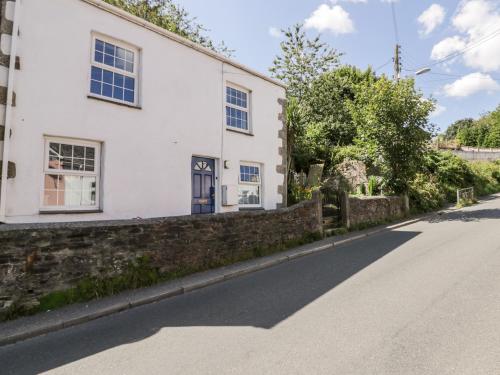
{"x":297,"y":193}
{"x":425,"y":194}
{"x":373,"y":187}
{"x":362,"y":189}
{"x":444,"y":173}
{"x":486,"y":177}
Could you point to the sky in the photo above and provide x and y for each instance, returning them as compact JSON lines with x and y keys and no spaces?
{"x":458,"y":39}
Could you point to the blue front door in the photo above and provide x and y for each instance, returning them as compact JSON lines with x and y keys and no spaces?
{"x":203,"y":185}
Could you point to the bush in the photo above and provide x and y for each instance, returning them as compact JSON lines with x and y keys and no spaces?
{"x":486,"y":177}
{"x":297,"y":193}
{"x":425,"y":194}
{"x":444,"y":173}
{"x":373,"y":187}
{"x":450,"y":171}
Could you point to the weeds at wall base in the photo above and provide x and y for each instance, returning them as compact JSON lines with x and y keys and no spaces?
{"x":138,"y":274}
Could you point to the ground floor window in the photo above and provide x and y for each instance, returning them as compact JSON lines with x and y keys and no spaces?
{"x":71,"y":175}
{"x":250,"y":185}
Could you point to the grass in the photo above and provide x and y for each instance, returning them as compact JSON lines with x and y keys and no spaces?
{"x":138,"y":274}
{"x":466,"y":202}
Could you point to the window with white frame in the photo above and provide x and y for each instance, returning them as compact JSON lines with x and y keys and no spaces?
{"x":71,"y":175}
{"x":250,"y":185}
{"x":237,"y":109}
{"x":114,"y":71}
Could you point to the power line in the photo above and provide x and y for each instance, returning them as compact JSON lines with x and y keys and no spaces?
{"x":383,"y":65}
{"x":471,"y":46}
{"x":454,"y":76}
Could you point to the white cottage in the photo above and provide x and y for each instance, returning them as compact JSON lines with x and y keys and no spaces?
{"x":112,"y":117}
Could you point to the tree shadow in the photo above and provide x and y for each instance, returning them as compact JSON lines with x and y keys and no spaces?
{"x":466,"y":215}
{"x":262,"y":299}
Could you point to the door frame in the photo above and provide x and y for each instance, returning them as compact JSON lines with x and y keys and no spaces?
{"x":217,"y":181}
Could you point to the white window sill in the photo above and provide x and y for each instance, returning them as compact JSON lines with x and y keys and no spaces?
{"x":256,"y":208}
{"x":104,"y":99}
{"x":68,"y":212}
{"x":239,"y":131}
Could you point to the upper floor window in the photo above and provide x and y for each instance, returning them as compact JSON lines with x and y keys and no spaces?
{"x":237,"y":109}
{"x":71,"y":175}
{"x":114,"y":71}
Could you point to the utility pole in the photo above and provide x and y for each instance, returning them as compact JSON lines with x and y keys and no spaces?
{"x":397,"y":63}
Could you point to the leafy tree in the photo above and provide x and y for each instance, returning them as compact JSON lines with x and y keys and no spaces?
{"x":295,"y":122}
{"x":172,"y":17}
{"x":492,"y":122}
{"x":327,"y":108}
{"x":302,"y":60}
{"x":393,"y":128}
{"x":484,"y":132}
{"x":453,"y":130}
{"x":492,"y":140}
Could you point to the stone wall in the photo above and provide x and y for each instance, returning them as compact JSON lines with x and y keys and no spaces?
{"x":38,"y":259}
{"x":359,"y":211}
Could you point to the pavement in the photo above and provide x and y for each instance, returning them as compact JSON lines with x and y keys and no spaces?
{"x":417,"y":298}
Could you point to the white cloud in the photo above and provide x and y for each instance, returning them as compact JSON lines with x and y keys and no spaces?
{"x":349,"y":1}
{"x":471,"y":84}
{"x":447,"y":47}
{"x":431,"y":18}
{"x":330,"y":18}
{"x":275,"y":32}
{"x":438,"y":111}
{"x":477,"y":21}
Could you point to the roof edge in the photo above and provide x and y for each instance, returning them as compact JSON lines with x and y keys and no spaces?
{"x":177,"y":38}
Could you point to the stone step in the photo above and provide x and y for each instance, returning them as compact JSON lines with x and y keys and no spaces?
{"x":330,"y":219}
{"x":333,"y":225}
{"x":330,"y":210}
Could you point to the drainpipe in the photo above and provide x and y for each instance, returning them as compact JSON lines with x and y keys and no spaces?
{"x":8,"y":112}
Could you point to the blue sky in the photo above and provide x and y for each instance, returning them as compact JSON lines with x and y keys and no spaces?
{"x":464,"y":86}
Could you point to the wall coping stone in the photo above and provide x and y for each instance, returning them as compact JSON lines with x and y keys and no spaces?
{"x":150,"y":221}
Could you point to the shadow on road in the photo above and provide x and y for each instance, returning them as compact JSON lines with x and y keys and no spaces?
{"x":466,"y":215}
{"x":262,"y":299}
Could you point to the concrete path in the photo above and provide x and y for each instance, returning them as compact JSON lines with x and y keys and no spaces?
{"x":421,"y":299}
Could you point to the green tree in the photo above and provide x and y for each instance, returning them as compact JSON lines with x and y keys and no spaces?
{"x":302,"y":60}
{"x":393,"y":128}
{"x":484,"y":132}
{"x":295,"y":122}
{"x":172,"y":17}
{"x":492,"y":122}
{"x":475,"y":135}
{"x":492,"y":140}
{"x":328,"y":110}
{"x":451,"y":132}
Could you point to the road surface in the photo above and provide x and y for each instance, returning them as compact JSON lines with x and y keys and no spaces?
{"x":422,"y":299}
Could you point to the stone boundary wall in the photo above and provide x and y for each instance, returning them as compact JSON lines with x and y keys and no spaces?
{"x":359,"y":211}
{"x":38,"y":259}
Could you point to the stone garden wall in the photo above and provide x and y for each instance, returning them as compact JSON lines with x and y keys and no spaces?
{"x":38,"y":259}
{"x":361,"y":211}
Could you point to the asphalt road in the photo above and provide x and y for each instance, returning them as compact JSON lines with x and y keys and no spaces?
{"x":423,"y":299}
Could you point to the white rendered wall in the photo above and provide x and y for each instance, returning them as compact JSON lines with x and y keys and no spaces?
{"x":146,"y":155}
